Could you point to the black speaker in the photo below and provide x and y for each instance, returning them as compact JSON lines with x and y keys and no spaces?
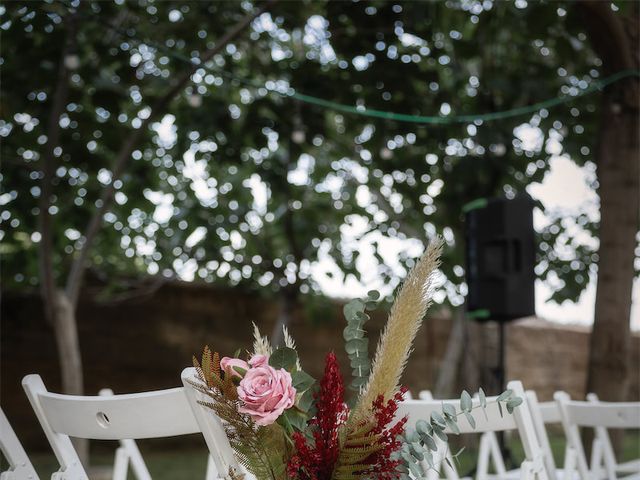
{"x":500,"y":251}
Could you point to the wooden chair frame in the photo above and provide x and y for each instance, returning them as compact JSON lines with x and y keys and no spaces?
{"x":20,"y":467}
{"x":163,"y":413}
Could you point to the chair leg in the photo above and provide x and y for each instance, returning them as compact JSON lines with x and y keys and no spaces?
{"x":120,"y":465}
{"x":212,"y":472}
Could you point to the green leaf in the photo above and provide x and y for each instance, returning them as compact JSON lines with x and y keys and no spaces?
{"x":417,"y":450}
{"x":302,"y":380}
{"x":351,"y":308}
{"x":470,"y":419}
{"x":239,"y":370}
{"x":453,"y":426}
{"x":483,"y":398}
{"x":356,"y":345}
{"x":513,"y":403}
{"x":373,"y":295}
{"x":360,"y":381}
{"x":422,"y":427}
{"x":429,"y":458}
{"x":359,"y":361}
{"x":305,"y":401}
{"x":415,"y":470}
{"x":352,"y":331}
{"x":296,"y":419}
{"x":440,"y":434}
{"x":504,"y":395}
{"x":429,"y":442}
{"x":283,"y":357}
{"x":449,"y":410}
{"x":437,"y":419}
{"x":466,"y":404}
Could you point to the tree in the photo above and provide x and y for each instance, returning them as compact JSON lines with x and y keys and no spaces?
{"x":615,"y":37}
{"x":61,"y":305}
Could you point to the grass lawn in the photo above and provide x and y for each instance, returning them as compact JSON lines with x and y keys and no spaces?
{"x":176,"y":464}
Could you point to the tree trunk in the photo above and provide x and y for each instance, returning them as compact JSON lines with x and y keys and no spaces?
{"x":68,"y":344}
{"x":619,"y":178}
{"x":615,"y":39}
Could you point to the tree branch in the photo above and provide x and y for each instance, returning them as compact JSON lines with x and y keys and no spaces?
{"x":76,"y":276}
{"x":61,"y":94}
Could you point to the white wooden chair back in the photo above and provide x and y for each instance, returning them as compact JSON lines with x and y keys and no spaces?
{"x":577,"y":414}
{"x":128,"y":453}
{"x":211,"y":427}
{"x":20,"y":467}
{"x":157,"y":414}
{"x":520,"y":421}
{"x":603,"y":456}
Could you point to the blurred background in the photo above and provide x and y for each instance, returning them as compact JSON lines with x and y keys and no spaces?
{"x":173,"y":171}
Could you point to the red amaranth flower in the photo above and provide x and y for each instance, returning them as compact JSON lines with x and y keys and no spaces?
{"x":317,"y":462}
{"x":382,"y":467}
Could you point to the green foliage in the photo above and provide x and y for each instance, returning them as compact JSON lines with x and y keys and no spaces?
{"x":419,"y":443}
{"x":284,"y":357}
{"x":356,"y":341}
{"x":270,"y":182}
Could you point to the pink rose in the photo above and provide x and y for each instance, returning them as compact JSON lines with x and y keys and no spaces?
{"x":228,"y":363}
{"x":258,"y":360}
{"x":266,"y":393}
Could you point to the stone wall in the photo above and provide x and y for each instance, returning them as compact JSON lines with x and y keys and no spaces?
{"x":143,"y":344}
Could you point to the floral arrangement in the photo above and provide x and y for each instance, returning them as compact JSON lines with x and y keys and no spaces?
{"x":282,"y":424}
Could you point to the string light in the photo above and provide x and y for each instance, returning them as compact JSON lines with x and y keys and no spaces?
{"x":596,"y":85}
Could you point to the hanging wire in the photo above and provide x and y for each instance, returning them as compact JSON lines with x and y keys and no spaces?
{"x":596,"y":86}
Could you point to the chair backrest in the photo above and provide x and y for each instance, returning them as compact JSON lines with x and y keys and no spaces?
{"x":576,"y":414}
{"x":544,"y":413}
{"x":163,"y":413}
{"x":493,"y":421}
{"x":19,"y":465}
{"x":602,"y":453}
{"x":210,"y":426}
{"x":127,"y":454}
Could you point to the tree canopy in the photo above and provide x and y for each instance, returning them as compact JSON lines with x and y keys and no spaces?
{"x":241,"y":183}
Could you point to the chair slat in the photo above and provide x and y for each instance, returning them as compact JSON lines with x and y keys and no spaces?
{"x":156,"y":414}
{"x":608,"y":415}
{"x":550,"y":412}
{"x":422,"y":409}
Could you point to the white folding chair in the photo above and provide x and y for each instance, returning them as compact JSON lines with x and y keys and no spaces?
{"x":163,"y":413}
{"x":581,"y":414}
{"x":20,"y":467}
{"x":603,"y":456}
{"x":520,"y":421}
{"x":212,"y":430}
{"x":128,"y":453}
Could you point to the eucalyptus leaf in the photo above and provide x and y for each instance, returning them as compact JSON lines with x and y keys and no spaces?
{"x":506,"y":395}
{"x":449,"y":410}
{"x":466,"y":404}
{"x":284,"y":357}
{"x":302,"y":380}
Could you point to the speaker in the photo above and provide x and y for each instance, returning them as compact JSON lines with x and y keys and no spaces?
{"x":500,"y":255}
